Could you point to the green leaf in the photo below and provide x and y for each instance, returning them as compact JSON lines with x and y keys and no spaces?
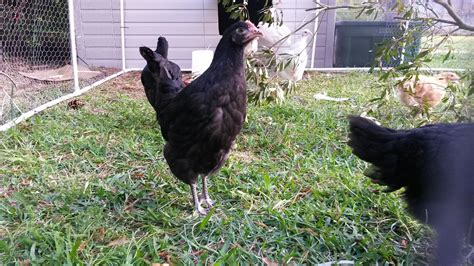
{"x":404,"y":66}
{"x":361,"y":12}
{"x":33,"y":252}
{"x":73,"y":252}
{"x":206,"y":219}
{"x":225,"y":247}
{"x":384,"y":76}
{"x":446,"y":57}
{"x":423,"y":54}
{"x":471,"y":90}
{"x":3,"y":247}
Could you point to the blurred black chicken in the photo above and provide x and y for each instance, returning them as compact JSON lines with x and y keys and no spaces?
{"x":150,"y":83}
{"x":435,"y":164}
{"x":201,"y":122}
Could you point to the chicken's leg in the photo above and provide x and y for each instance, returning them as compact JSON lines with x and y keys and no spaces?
{"x":197,"y":204}
{"x":207,"y":199}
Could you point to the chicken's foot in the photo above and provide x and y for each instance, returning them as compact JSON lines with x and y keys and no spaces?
{"x":197,"y":204}
{"x":205,"y":193}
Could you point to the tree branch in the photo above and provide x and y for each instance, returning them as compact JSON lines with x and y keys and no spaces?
{"x":323,"y":7}
{"x":430,"y":9}
{"x":433,"y":19}
{"x":459,"y":21}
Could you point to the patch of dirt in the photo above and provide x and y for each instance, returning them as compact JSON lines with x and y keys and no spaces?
{"x":108,"y":70}
{"x":244,"y":156}
{"x":5,"y":192}
{"x":131,"y":84}
{"x":23,"y":83}
{"x":128,"y":83}
{"x":99,"y":234}
{"x":166,"y":257}
{"x":29,"y":93}
{"x":118,"y":242}
{"x":24,"y":262}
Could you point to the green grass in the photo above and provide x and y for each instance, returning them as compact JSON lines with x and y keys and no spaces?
{"x":91,"y":186}
{"x":462,"y":53}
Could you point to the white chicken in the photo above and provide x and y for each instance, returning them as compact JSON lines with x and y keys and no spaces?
{"x":251,"y":48}
{"x":427,"y":91}
{"x":295,"y":57}
{"x":273,"y":33}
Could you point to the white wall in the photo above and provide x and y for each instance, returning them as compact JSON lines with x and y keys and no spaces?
{"x":187,"y":24}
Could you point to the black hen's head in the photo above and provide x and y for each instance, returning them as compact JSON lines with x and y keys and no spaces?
{"x":241,"y":33}
{"x":162,"y":47}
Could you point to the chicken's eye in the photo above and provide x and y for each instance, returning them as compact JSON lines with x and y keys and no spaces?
{"x":240,"y":30}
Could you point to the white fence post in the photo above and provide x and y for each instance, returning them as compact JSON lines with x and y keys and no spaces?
{"x":315,"y":36}
{"x":72,"y":35}
{"x":122,"y":34}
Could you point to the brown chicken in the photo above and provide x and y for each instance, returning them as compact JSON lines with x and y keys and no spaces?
{"x":427,"y":91}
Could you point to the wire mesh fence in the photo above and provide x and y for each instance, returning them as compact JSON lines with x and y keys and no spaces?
{"x":34,"y":37}
{"x":35,"y":56}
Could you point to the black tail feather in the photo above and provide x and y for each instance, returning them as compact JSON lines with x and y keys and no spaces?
{"x":379,"y":146}
{"x":162,"y":47}
{"x":368,"y":140}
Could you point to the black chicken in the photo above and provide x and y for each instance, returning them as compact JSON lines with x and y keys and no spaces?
{"x":201,"y":122}
{"x":434,"y":163}
{"x":149,"y":82}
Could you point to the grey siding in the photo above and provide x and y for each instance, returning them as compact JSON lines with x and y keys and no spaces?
{"x":325,"y":37}
{"x":187,"y":24}
{"x":98,"y":32}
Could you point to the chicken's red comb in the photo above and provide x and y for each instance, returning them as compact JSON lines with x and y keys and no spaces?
{"x":251,"y":25}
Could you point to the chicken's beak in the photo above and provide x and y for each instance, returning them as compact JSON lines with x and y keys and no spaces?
{"x":253,"y":32}
{"x":453,"y":80}
{"x":457,"y":80}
